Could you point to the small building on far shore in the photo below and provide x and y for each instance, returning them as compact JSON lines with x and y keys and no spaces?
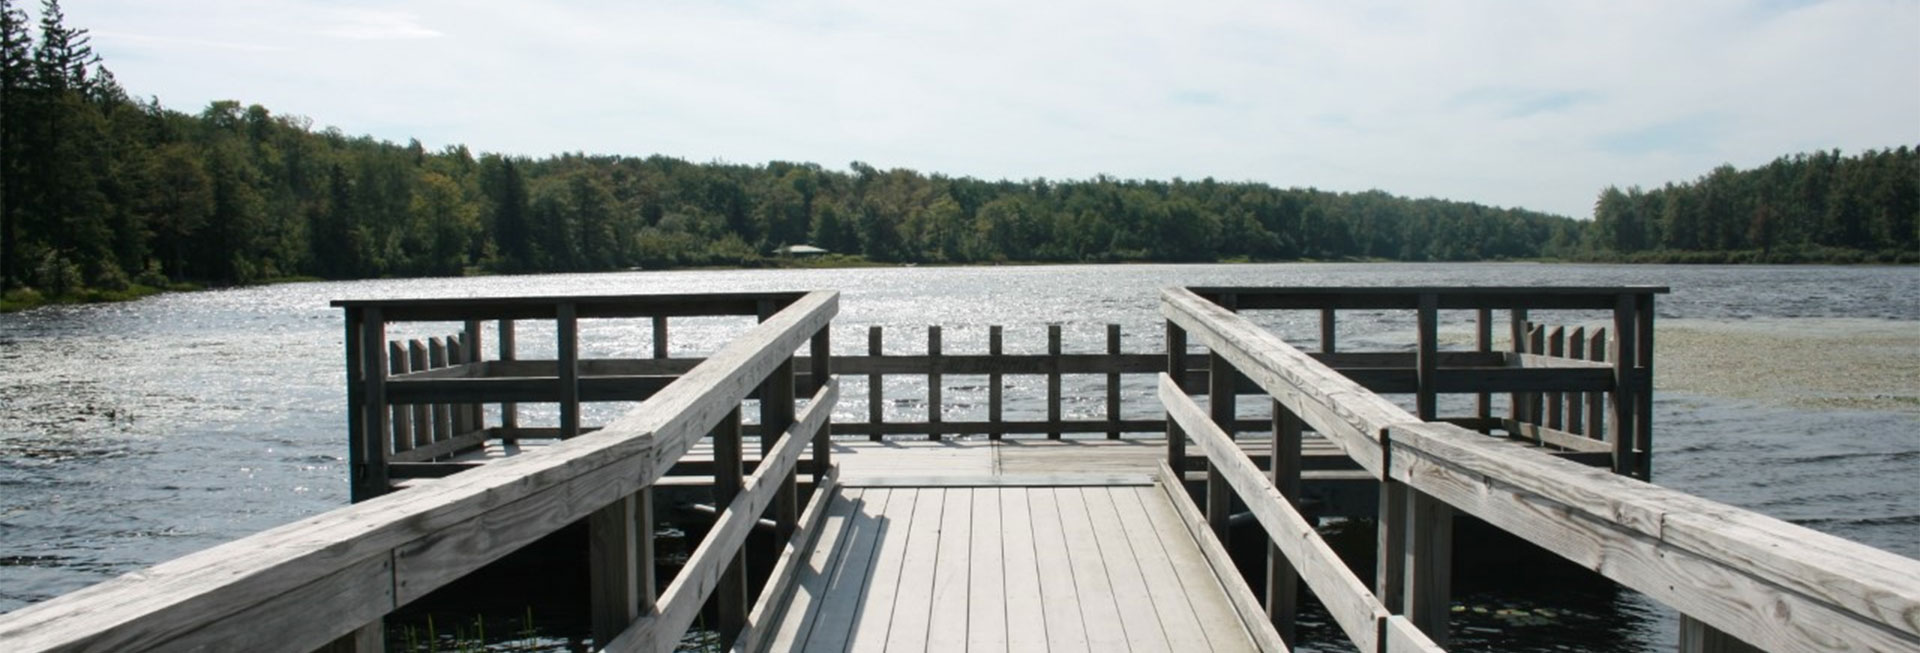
{"x":799,"y":250}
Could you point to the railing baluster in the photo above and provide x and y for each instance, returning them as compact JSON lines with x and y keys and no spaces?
{"x":1113,"y":382}
{"x":996,"y":384}
{"x":876,"y":414}
{"x":933,"y":382}
{"x":1053,"y":382}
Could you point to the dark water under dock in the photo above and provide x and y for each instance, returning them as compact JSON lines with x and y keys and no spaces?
{"x":133,"y":433}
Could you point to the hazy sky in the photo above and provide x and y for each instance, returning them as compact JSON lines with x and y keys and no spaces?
{"x":1534,"y":104}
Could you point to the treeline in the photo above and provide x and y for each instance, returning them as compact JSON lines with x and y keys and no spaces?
{"x":1807,"y":207}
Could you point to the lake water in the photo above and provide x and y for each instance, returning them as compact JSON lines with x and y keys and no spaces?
{"x":138,"y":432}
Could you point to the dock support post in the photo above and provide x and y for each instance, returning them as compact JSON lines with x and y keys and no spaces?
{"x":471,"y":341}
{"x":1053,"y":382}
{"x":371,"y":638}
{"x":1176,"y":370}
{"x":1427,"y":537}
{"x":730,"y":592}
{"x":620,"y":561}
{"x":659,"y":336}
{"x":1517,"y":330}
{"x":1113,"y":384}
{"x":1625,"y":387}
{"x":1643,"y":387}
{"x":821,"y":367}
{"x":370,"y":359}
{"x":567,"y":333}
{"x":776,"y":416}
{"x":422,"y":413}
{"x":875,"y":385}
{"x":1283,"y":595}
{"x":1222,"y":407}
{"x":1698,"y":637}
{"x":509,"y":411}
{"x":1483,"y":343}
{"x":401,"y":416}
{"x":994,"y":384}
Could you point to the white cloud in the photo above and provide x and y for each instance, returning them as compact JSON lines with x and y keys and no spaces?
{"x":1510,"y":103}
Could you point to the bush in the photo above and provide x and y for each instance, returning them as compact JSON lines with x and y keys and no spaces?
{"x":55,"y":275}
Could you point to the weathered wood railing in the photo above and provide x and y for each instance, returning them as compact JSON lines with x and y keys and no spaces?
{"x":1728,"y":571}
{"x":316,"y":582}
{"x":424,"y":432}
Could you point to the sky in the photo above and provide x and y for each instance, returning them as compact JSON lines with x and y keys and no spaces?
{"x":1536,"y":104}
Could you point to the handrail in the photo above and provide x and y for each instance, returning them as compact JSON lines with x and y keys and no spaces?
{"x":1351,"y":603}
{"x":302,"y":585}
{"x":1778,"y":585}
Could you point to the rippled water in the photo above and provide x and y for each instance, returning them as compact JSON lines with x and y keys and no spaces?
{"x":134,"y":433}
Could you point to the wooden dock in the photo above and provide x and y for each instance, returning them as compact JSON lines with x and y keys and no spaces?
{"x":1015,"y":537}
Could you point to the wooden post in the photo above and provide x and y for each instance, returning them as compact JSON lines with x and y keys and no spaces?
{"x":442,"y":413}
{"x":1177,"y":371}
{"x":1427,"y":357}
{"x":776,"y":416}
{"x":363,"y":431}
{"x":472,"y":353}
{"x":397,"y":364}
{"x":660,"y":336}
{"x":457,"y":356}
{"x":509,"y":411}
{"x":1537,"y":344}
{"x":1113,"y":383}
{"x":933,"y":382}
{"x":1517,"y":332}
{"x":875,"y":384}
{"x":820,"y":349}
{"x":1556,"y":347}
{"x":1053,"y":382}
{"x":1698,"y":637}
{"x":422,"y":413}
{"x":994,"y":385}
{"x":620,"y":563}
{"x":373,"y":339}
{"x":1624,"y":394}
{"x":1283,"y":596}
{"x":1222,"y":405}
{"x":1328,"y":330}
{"x":1483,"y":342}
{"x":730,"y":593}
{"x":567,"y":333}
{"x":1577,"y":401}
{"x":1597,"y":401}
{"x":1643,"y":387}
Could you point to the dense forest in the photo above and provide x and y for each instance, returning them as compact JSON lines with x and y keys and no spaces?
{"x":101,"y":191}
{"x":1821,"y":206}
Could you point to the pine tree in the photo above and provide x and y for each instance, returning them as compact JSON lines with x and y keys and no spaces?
{"x":15,"y":68}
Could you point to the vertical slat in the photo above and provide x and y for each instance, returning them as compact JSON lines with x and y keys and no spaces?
{"x":1282,"y":580}
{"x":730,"y":593}
{"x":1426,"y":358}
{"x":373,"y":342}
{"x":509,"y":411}
{"x":660,"y":349}
{"x":820,"y":351}
{"x":1223,"y":406}
{"x":1053,"y":382}
{"x":1556,"y":347}
{"x":995,"y":384}
{"x":1597,"y":401}
{"x":1517,"y":335}
{"x":1643,"y":387}
{"x":1537,"y":344}
{"x":422,"y":413}
{"x":397,"y":364}
{"x":457,"y":356}
{"x":875,"y":383}
{"x":1329,"y":329}
{"x":1113,"y":383}
{"x":1483,"y":342}
{"x":1577,"y":401}
{"x":614,"y":540}
{"x":567,"y":333}
{"x":471,"y":352}
{"x":1624,"y":394}
{"x":442,"y":413}
{"x":1176,"y":370}
{"x":1429,"y":567}
{"x":933,"y":383}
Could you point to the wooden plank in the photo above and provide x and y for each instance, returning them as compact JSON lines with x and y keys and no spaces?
{"x":446,"y":309}
{"x":1405,"y":297}
{"x":1024,"y":611}
{"x":442,"y":413}
{"x":1099,"y":605}
{"x":1181,"y":525}
{"x":1138,"y":616}
{"x":1556,"y":348}
{"x":913,"y":601}
{"x":1171,"y":604}
{"x":1059,"y":598}
{"x":422,"y":413}
{"x":876,"y":604}
{"x":782,"y":619}
{"x":948,"y":619}
{"x":1597,"y":401}
{"x":840,"y":603}
{"x":787,"y":603}
{"x":398,"y":364}
{"x":1063,"y":479}
{"x":987,"y":571}
{"x":1576,"y":401}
